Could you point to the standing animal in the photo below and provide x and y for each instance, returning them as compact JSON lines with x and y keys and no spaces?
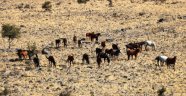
{"x":70,"y":59}
{"x":65,"y":42}
{"x":85,"y":58}
{"x":51,"y":60}
{"x":36,"y":61}
{"x":171,"y":62}
{"x":150,"y":43}
{"x":79,"y":43}
{"x":104,"y":56}
{"x":46,"y":51}
{"x":98,"y":50}
{"x":75,"y":39}
{"x":103,"y":44}
{"x":115,"y":46}
{"x":161,"y":59}
{"x":25,"y":53}
{"x":58,"y":42}
{"x":132,"y":52}
{"x":93,"y":36}
{"x":100,"y":56}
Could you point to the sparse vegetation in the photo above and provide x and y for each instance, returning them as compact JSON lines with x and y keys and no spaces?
{"x":11,"y":32}
{"x":47,"y":6}
{"x":31,"y":46}
{"x":82,"y":1}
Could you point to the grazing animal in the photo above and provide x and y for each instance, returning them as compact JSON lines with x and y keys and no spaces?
{"x":75,"y":39}
{"x":36,"y":61}
{"x":150,"y":43}
{"x":51,"y":60}
{"x":132,"y":52}
{"x":46,"y":51}
{"x":161,"y":59}
{"x":70,"y":59}
{"x":93,"y":36}
{"x":25,"y":53}
{"x":58,"y":42}
{"x":134,"y":46}
{"x":98,"y":50}
{"x":19,"y":54}
{"x":104,"y":55}
{"x":171,"y":62}
{"x":85,"y":58}
{"x":103,"y":44}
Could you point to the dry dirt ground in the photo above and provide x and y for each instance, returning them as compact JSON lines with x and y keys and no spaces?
{"x":121,"y":78}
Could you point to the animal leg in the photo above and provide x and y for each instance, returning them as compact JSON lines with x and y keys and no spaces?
{"x":128,"y":57}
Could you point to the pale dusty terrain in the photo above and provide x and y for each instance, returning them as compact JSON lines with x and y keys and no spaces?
{"x":121,"y":78}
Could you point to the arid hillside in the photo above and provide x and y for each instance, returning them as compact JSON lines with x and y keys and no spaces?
{"x":125,"y":22}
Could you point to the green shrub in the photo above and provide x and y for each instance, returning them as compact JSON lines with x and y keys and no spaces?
{"x":11,"y":32}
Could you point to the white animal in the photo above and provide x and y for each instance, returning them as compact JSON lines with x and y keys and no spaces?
{"x":161,"y":59}
{"x":150,"y":43}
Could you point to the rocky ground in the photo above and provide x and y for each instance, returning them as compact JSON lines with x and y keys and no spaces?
{"x":122,"y":77}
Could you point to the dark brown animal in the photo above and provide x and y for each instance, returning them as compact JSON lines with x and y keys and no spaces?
{"x":51,"y":60}
{"x":36,"y":61}
{"x":132,"y":52}
{"x":65,"y":42}
{"x":85,"y":58}
{"x":100,"y":56}
{"x":75,"y":39}
{"x":58,"y":42}
{"x":171,"y":62}
{"x":70,"y":59}
{"x":103,"y":44}
{"x":79,"y":43}
{"x":93,"y":36}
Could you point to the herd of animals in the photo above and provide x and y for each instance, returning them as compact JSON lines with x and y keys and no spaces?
{"x":132,"y":49}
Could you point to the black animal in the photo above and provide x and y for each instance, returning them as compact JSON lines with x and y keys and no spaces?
{"x":65,"y":42}
{"x":171,"y":62}
{"x":98,"y":60}
{"x":104,"y":56}
{"x":36,"y":61}
{"x":79,"y":43}
{"x":75,"y":39}
{"x":85,"y":58}
{"x":58,"y":42}
{"x":51,"y":60}
{"x":112,"y":52}
{"x":103,"y":44}
{"x":115,"y":46}
{"x":98,"y":50}
{"x":70,"y":59}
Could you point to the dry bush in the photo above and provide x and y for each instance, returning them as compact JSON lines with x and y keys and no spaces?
{"x":142,"y":1}
{"x":82,"y":1}
{"x":47,"y":6}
